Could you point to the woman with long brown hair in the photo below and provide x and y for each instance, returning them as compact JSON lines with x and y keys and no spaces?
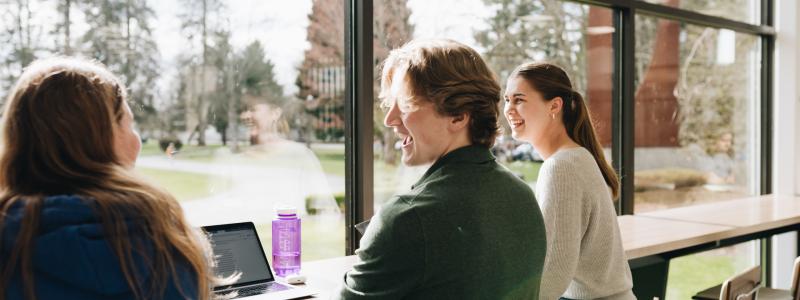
{"x":75,"y":221}
{"x":575,"y":188}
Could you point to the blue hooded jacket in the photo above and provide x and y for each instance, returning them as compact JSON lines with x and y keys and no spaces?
{"x":73,"y":259}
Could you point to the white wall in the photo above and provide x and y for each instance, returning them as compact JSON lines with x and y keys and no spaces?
{"x":787,"y":130}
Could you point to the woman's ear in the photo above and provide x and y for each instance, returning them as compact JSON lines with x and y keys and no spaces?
{"x":556,"y":105}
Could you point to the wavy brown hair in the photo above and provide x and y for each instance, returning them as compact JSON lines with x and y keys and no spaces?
{"x":454,"y":78}
{"x":57,"y":139}
{"x":552,"y":81}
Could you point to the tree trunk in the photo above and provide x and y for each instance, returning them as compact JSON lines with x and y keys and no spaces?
{"x":202,"y":126}
{"x":233,"y":118}
{"x":67,"y":23}
{"x":203,"y":118}
{"x":224,"y":134}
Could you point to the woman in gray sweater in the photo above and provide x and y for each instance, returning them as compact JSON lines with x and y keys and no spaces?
{"x":585,"y":259}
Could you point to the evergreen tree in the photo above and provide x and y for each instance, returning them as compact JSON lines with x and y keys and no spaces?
{"x":120,"y":37}
{"x":199,"y":20}
{"x":20,"y":39}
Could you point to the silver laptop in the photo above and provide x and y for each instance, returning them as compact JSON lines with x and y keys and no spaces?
{"x":238,"y":249}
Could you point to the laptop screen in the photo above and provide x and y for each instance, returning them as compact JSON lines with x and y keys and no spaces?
{"x":238,"y":249}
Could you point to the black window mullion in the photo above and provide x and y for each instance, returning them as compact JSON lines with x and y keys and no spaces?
{"x":686,"y":16}
{"x":622,"y":111}
{"x":358,"y":113}
{"x":766,"y":101}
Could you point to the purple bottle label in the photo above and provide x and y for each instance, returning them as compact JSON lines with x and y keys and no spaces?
{"x":286,"y":245}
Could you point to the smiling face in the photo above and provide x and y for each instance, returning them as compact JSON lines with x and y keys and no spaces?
{"x":529,"y":115}
{"x":425,"y":134}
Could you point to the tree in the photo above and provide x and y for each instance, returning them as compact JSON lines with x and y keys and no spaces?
{"x":226,"y":100}
{"x":120,"y":36}
{"x":324,"y":61}
{"x":544,"y":30}
{"x":316,"y":87}
{"x":64,"y":26}
{"x":392,"y":30}
{"x":523,"y":30}
{"x":200,"y":18}
{"x":714,"y":92}
{"x":20,"y":37}
{"x":247,"y":74}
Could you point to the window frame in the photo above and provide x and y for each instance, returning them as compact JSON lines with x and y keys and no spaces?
{"x":359,"y":102}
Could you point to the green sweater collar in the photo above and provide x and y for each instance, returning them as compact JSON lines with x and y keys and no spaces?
{"x":468,"y":154}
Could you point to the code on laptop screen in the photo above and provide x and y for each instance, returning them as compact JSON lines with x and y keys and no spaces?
{"x":237,"y":249}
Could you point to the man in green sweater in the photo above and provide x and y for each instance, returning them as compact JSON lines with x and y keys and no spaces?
{"x":469,"y":228}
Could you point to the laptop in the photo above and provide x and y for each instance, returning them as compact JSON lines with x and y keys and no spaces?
{"x":238,"y":249}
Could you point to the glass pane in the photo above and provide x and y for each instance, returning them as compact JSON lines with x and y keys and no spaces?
{"x":691,"y":274}
{"x":239,"y":103}
{"x":748,"y":11}
{"x":696,"y":114}
{"x":574,"y":36}
{"x":696,"y":133}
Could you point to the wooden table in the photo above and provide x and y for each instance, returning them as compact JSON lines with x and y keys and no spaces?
{"x":644,"y":236}
{"x":651,"y":239}
{"x":325,"y":275}
{"x":748,"y":215}
{"x":746,"y":219}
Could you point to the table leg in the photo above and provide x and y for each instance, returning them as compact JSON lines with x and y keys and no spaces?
{"x":649,"y":277}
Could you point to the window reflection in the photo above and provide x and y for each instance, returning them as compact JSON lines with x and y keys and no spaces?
{"x":696,"y":112}
{"x":239,"y":104}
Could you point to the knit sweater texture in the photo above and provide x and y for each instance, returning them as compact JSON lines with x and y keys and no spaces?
{"x":585,"y":259}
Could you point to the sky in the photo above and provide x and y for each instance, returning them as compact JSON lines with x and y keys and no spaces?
{"x":279,"y":25}
{"x":281,"y":28}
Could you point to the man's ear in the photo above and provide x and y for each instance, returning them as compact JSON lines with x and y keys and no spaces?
{"x":458,"y":122}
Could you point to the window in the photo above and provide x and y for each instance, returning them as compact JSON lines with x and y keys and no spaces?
{"x":691,"y":274}
{"x":696,"y":114}
{"x":696,"y":140}
{"x":574,"y":36}
{"x":739,"y":10}
{"x":240,"y":104}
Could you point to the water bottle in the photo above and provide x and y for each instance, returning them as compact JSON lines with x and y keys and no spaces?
{"x":286,"y":242}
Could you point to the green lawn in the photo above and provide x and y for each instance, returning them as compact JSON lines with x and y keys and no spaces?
{"x":191,"y":152}
{"x":691,"y":274}
{"x":332,"y":161}
{"x":185,"y":186}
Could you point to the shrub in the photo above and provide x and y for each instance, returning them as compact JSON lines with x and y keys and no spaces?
{"x":313,"y":208}
{"x":671,"y":178}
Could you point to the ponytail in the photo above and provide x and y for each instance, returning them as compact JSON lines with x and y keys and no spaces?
{"x":581,"y":129}
{"x":552,"y":81}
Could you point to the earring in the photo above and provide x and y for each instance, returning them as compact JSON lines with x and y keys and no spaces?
{"x":553,"y":116}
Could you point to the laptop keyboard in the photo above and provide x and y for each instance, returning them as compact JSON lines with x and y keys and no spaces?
{"x":261,"y":289}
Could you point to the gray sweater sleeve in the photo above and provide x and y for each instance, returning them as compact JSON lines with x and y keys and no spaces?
{"x":391,"y":254}
{"x":559,"y":195}
{"x":585,"y":258}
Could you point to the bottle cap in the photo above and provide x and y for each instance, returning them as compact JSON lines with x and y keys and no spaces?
{"x":286,"y":210}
